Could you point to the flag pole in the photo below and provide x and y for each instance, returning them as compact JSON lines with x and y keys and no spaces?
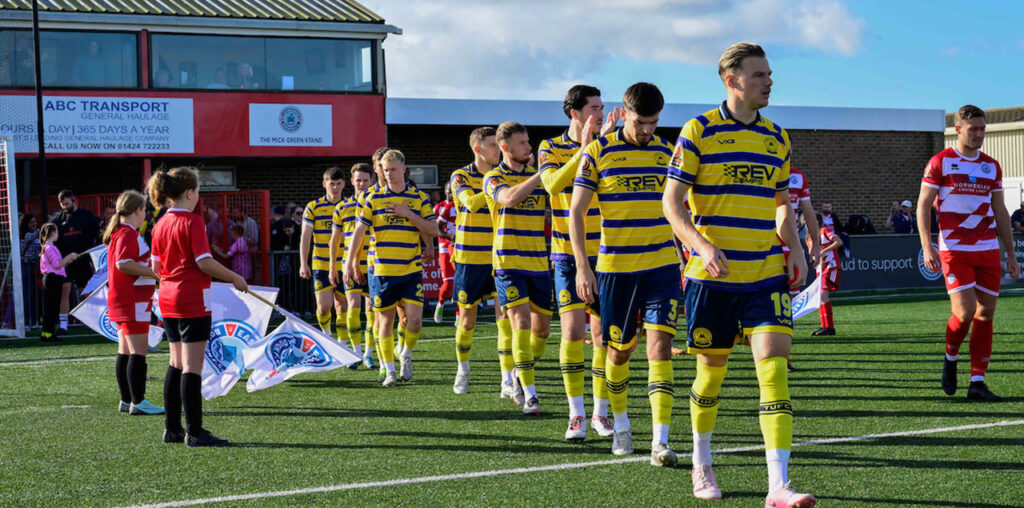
{"x":264,"y":300}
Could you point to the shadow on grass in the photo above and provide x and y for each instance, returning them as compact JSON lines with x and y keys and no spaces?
{"x":867,"y":501}
{"x":417,"y":414}
{"x":528,"y":449}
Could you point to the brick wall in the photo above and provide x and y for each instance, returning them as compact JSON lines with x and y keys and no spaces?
{"x":857,"y":171}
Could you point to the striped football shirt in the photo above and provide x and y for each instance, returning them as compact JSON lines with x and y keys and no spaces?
{"x":345,"y":216}
{"x":558,"y":165}
{"x":519,"y":242}
{"x":735,"y":171}
{"x":396,"y":240}
{"x":474,"y":233}
{"x":319,"y":215}
{"x":628,"y":181}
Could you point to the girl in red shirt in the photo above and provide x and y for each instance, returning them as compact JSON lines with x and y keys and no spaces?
{"x":181,"y":258}
{"x":130,"y":288}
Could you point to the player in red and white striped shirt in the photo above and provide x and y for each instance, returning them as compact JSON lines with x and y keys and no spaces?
{"x":828,"y":270}
{"x":445,"y":212}
{"x":130,"y":285}
{"x":800,"y":199}
{"x":968,"y":187}
{"x":181,"y":258}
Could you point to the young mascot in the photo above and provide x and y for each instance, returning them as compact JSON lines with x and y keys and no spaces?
{"x":181,"y":259}
{"x":129,"y":299}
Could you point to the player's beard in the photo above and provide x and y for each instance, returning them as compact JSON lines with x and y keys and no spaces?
{"x":523,"y":159}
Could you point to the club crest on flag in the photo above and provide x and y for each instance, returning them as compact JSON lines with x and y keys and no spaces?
{"x":108,"y":329}
{"x":228,"y":338}
{"x":296,"y":349}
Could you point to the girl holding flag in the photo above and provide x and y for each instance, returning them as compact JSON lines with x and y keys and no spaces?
{"x":130,"y":283}
{"x":182,"y":260}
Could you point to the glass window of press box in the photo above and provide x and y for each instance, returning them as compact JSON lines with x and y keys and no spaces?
{"x":261,"y":63}
{"x":70,"y":59}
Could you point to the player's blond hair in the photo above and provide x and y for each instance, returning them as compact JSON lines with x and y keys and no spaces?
{"x":392,"y":155}
{"x":477,"y":137}
{"x":733,"y":57}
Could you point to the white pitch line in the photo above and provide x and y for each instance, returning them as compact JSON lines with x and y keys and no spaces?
{"x":65,"y":360}
{"x":553,"y":467}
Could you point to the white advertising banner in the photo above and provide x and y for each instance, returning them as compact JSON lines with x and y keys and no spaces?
{"x":102,"y":124}
{"x":290,"y":125}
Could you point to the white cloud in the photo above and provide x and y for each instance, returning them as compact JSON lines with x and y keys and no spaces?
{"x":535,"y":49}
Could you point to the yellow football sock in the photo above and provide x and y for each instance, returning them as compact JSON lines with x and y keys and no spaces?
{"x":704,"y":397}
{"x":570,"y":359}
{"x":539,"y":345}
{"x":505,"y":358}
{"x":324,"y":320}
{"x":354,"y":327}
{"x":387,"y":348}
{"x":597,"y":373}
{"x":411,"y":338}
{"x":340,"y":328}
{"x":660,"y":390}
{"x":522,"y":353}
{"x":463,"y":343}
{"x":776,"y":412}
{"x":401,"y":335}
{"x":618,"y":382}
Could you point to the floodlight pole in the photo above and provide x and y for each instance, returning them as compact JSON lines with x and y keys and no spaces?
{"x":40,"y":127}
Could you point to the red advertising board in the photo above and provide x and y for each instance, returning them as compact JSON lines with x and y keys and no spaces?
{"x":219,"y":124}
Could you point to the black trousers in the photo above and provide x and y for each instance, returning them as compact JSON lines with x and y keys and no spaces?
{"x":53,"y":285}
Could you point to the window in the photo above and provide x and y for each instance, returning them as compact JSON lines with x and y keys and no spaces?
{"x":70,"y":59}
{"x":269,"y":63}
{"x":425,"y":176}
{"x":208,"y":61}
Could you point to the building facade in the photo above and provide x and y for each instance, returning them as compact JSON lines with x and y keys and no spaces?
{"x":246,"y":91}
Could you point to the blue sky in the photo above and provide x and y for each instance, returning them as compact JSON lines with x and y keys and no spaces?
{"x":894,"y":54}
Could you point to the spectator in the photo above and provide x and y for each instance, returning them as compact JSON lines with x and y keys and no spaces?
{"x":829,"y":220}
{"x":285,"y":237}
{"x":108,"y":212}
{"x":214,"y":227}
{"x":296,"y":216}
{"x":78,"y":231}
{"x":276,"y":214}
{"x":220,"y":80}
{"x":435,"y":197}
{"x":53,"y":268}
{"x":289,"y":209}
{"x":162,"y":79}
{"x":901,"y":219}
{"x":249,"y":227}
{"x":238,"y":253}
{"x":90,"y":69}
{"x":1017,"y":219}
{"x":245,"y":76}
{"x":30,"y":250}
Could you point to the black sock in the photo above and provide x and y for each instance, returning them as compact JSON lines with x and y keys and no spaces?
{"x":137,"y":377}
{"x":172,"y":399}
{"x":121,"y":373}
{"x":192,"y":396}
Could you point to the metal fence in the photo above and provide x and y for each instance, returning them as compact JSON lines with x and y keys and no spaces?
{"x":296,"y":293}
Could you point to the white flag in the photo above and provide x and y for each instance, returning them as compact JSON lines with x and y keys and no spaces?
{"x":93,"y":312}
{"x":291,"y":349}
{"x":808,"y":300}
{"x":99,"y":262}
{"x":239,"y":321}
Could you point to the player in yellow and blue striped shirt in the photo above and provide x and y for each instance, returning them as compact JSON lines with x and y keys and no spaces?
{"x":637,"y":266}
{"x":397,"y":215}
{"x":317,"y":222}
{"x":344,"y":222}
{"x":734,"y":164}
{"x":520,"y":255}
{"x":559,"y":160}
{"x":474,"y":277}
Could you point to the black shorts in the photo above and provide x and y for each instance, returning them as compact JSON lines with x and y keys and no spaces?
{"x":80,"y":271}
{"x":188,"y":330}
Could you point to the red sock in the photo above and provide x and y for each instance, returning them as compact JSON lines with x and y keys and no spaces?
{"x":956,"y":330}
{"x":823,"y":313}
{"x":828,"y":315}
{"x":981,"y":347}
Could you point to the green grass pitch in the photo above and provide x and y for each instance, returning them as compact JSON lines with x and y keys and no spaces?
{"x":64,"y":444}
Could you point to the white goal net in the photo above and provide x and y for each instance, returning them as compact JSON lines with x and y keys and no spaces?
{"x":12,"y":300}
